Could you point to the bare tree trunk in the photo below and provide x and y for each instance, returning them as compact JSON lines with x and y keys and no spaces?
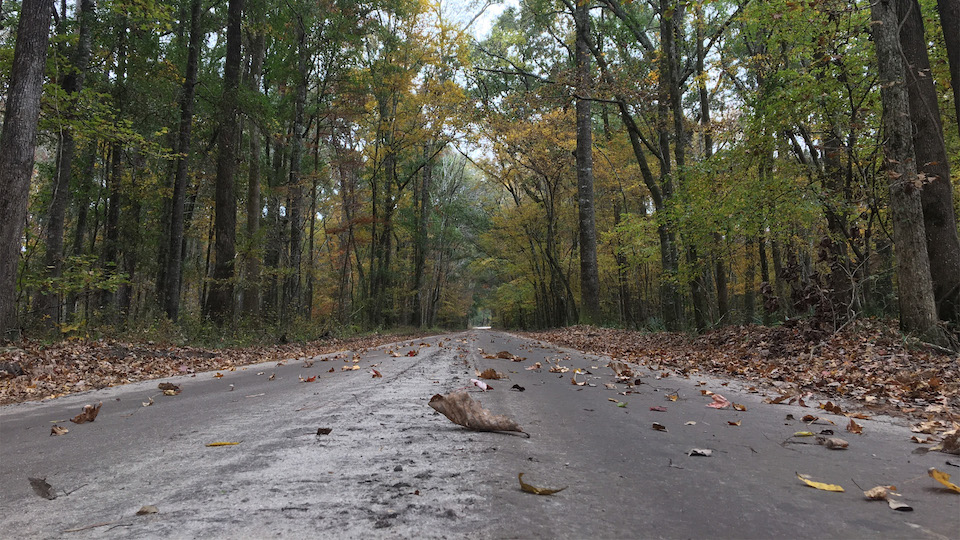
{"x":939,"y":218}
{"x":251,"y":291}
{"x":174,"y":264}
{"x":950,"y":22}
{"x":47,"y":303}
{"x":219,"y":303}
{"x":295,"y":208}
{"x":589,"y":273}
{"x":17,"y":145}
{"x":917,"y":308}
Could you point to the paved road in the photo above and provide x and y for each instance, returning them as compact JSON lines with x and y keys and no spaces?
{"x":393,"y":468}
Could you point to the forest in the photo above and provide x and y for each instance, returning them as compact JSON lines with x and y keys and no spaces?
{"x":286,"y":170}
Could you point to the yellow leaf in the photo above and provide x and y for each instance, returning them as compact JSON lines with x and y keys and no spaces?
{"x":739,"y":407}
{"x":223,"y":444}
{"x":673,"y":397}
{"x":943,"y":478}
{"x":819,"y":485}
{"x":803,"y":434}
{"x":536,"y":490}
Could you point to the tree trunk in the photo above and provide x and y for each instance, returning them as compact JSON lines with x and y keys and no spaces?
{"x":939,"y":219}
{"x":292,"y":286}
{"x":251,"y":291}
{"x":17,"y":145}
{"x":917,"y":308}
{"x":47,"y":302}
{"x":420,"y":247}
{"x":950,"y":22}
{"x":174,"y":271}
{"x":219,"y":303}
{"x":589,"y":274}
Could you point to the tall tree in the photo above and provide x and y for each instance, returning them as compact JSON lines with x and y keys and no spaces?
{"x":174,"y":261}
{"x":917,"y":309}
{"x":47,"y":302}
{"x":219,"y":303}
{"x":939,"y":218}
{"x":950,"y":21}
{"x":589,"y":273}
{"x":17,"y":145}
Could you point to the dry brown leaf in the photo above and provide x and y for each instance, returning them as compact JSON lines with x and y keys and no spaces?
{"x":533,"y":367}
{"x":620,"y":369}
{"x":739,"y":407}
{"x":492,"y":374}
{"x":878,"y":493}
{"x":854,"y":427}
{"x":659,"y":427}
{"x":951,"y":443}
{"x":536,"y":490}
{"x":58,"y":430}
{"x":89,"y":414}
{"x":147,"y":509}
{"x":461,"y":409}
{"x":169,"y":389}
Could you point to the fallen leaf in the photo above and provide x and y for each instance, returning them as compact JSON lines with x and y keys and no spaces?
{"x":690,"y":423}
{"x":739,"y":407}
{"x":819,"y":485}
{"x":223,"y":444}
{"x":719,"y":402}
{"x":659,"y":427}
{"x":150,"y":402}
{"x":533,"y":367}
{"x":613,"y":400}
{"x":658,"y":409}
{"x":737,"y":423}
{"x":899,"y":506}
{"x":831,"y":407}
{"x":620,"y":369}
{"x":148,"y":509}
{"x":536,"y":490}
{"x":411,"y":352}
{"x":943,"y":478}
{"x":573,"y":381}
{"x":803,"y":434}
{"x":878,"y":493}
{"x":218,"y":375}
{"x":324,"y":431}
{"x":375,"y":374}
{"x":703,"y":452}
{"x":951,"y":443}
{"x":809,"y":418}
{"x":461,"y":409}
{"x":622,"y":404}
{"x":491,"y":373}
{"x":58,"y":430}
{"x":518,"y":388}
{"x":89,"y":414}
{"x":854,"y":427}
{"x":331,"y":370}
{"x":272,"y":377}
{"x":42,"y":488}
{"x":169,"y":389}
{"x":833,"y":443}
{"x":558,"y":369}
{"x":673,"y":397}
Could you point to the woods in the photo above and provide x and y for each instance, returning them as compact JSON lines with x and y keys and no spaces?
{"x":282,"y":170}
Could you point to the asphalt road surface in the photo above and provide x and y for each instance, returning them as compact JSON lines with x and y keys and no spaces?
{"x":393,"y":468}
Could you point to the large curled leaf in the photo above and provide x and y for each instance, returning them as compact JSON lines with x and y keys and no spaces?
{"x":461,"y":409}
{"x":89,"y":414}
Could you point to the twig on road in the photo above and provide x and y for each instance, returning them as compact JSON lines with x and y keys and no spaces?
{"x":94,"y":526}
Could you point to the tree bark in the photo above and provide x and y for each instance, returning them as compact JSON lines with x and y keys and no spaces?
{"x":174,"y":271}
{"x":47,"y":303}
{"x":917,"y":308}
{"x":589,"y":274}
{"x":219,"y":303}
{"x":939,"y":218}
{"x":17,"y":145}
{"x":950,"y":23}
{"x":295,"y":209}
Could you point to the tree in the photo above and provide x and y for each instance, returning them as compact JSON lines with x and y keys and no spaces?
{"x":219,"y":304}
{"x":939,"y":218}
{"x":917,"y":309}
{"x":174,"y":260}
{"x":589,"y":274}
{"x":17,"y":144}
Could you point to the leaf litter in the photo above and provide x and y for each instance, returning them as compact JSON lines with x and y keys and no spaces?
{"x":463,"y":410}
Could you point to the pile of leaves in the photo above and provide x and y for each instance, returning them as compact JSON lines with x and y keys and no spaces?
{"x":868,"y":363}
{"x":32,"y":370}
